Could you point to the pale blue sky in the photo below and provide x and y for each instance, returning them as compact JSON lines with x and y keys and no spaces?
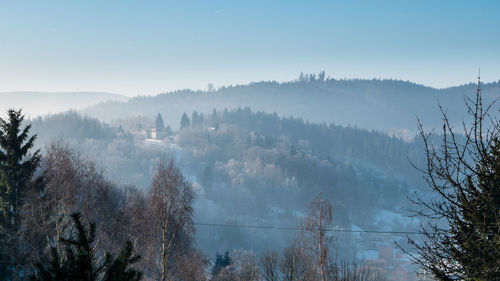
{"x":147,"y":47}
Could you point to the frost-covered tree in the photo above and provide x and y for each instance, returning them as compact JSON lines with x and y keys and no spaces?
{"x":171,"y":198}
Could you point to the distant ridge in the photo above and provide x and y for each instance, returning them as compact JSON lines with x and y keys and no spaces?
{"x":42,"y":103}
{"x":385,"y":105}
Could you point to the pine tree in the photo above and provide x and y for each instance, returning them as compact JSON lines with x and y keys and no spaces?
{"x":118,"y":270}
{"x":16,"y":166}
{"x":81,"y":262}
{"x":160,"y":125}
{"x":221,"y":262}
{"x":184,"y":121}
{"x":195,"y":118}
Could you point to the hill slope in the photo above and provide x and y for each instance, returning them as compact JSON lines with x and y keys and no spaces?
{"x":258,"y":169}
{"x":387,"y":105}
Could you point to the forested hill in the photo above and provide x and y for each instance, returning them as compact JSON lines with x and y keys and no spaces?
{"x":329,"y":142}
{"x":325,"y":141}
{"x":387,"y":105}
{"x":255,"y":168}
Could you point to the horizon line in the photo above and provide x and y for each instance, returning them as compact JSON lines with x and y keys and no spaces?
{"x":240,"y":84}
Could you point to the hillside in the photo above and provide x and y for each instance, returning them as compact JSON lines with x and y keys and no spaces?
{"x":386,"y":105}
{"x":255,"y":168}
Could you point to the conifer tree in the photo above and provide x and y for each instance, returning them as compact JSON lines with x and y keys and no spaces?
{"x":16,"y":166}
{"x":196,"y":118}
{"x":82,"y":263}
{"x":185,"y":121}
{"x":118,"y":270}
{"x":221,"y":262}
{"x":159,"y":124}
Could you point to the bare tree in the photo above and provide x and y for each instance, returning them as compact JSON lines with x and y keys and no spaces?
{"x":171,"y":201}
{"x":226,"y":274}
{"x":296,"y":263}
{"x":351,"y":271}
{"x":159,"y":223}
{"x":289,"y":267}
{"x":194,"y":266}
{"x":269,"y":263}
{"x":72,"y":184}
{"x":45,"y":219}
{"x":136,"y":209}
{"x":315,"y":227}
{"x":462,"y":219}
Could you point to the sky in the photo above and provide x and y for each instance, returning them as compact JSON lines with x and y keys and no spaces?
{"x":148,"y":47}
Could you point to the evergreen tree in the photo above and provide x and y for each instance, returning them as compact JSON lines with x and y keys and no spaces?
{"x":195,"y":118}
{"x":160,"y":126}
{"x":214,"y":116}
{"x":81,"y":262}
{"x":17,"y":167}
{"x":118,"y":270}
{"x":221,"y":262}
{"x":210,"y":88}
{"x":184,"y":121}
{"x":302,"y":77}
{"x":321,"y":76}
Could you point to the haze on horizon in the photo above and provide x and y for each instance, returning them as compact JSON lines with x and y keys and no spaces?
{"x":149,"y":47}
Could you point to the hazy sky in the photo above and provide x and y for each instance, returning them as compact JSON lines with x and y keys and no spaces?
{"x":146,"y":47}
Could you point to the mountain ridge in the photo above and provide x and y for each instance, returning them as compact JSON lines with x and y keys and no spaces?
{"x":384,"y":105}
